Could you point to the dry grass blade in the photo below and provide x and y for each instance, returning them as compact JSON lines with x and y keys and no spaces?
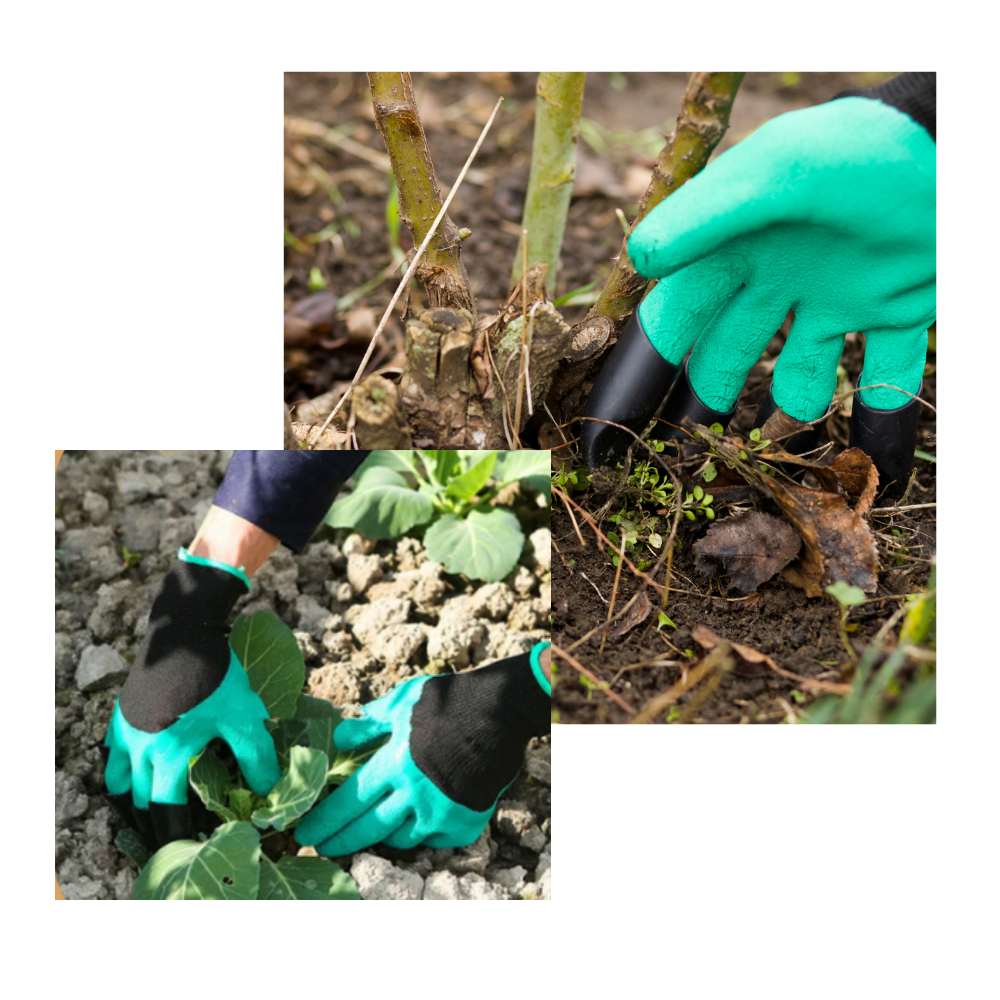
{"x":718,"y":658}
{"x":614,"y":591}
{"x":601,"y":686}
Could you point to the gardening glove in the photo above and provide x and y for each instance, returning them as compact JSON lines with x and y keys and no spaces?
{"x":187,"y":687}
{"x":828,"y":211}
{"x":456,"y":742}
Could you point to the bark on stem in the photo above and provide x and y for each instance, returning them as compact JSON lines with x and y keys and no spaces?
{"x":442,"y":272}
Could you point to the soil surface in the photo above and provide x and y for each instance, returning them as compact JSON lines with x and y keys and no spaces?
{"x":800,"y":634}
{"x":335,"y":199}
{"x":339,"y":596}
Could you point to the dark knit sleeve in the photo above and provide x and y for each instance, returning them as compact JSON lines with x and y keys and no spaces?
{"x":915,"y":94}
{"x":287,"y":493}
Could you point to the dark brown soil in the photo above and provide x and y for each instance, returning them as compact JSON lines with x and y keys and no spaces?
{"x":800,"y":634}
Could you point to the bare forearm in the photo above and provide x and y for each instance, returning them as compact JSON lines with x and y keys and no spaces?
{"x":233,"y":540}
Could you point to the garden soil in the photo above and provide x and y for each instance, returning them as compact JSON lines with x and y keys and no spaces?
{"x":337,"y":596}
{"x":800,"y":634}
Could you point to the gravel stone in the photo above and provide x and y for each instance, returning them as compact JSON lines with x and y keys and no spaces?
{"x":71,"y":800}
{"x":540,"y":546}
{"x":96,"y":507}
{"x":378,"y":878}
{"x":363,"y":571}
{"x":368,"y":620}
{"x":449,"y":645}
{"x":445,"y":885}
{"x":100,"y":668}
{"x":494,"y":601}
{"x":114,"y":601}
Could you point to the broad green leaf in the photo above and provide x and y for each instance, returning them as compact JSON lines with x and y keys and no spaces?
{"x":346,"y":762}
{"x":295,"y":793}
{"x":381,"y":506}
{"x":534,"y":467}
{"x":304,"y":878}
{"x":398,"y":461}
{"x":226,"y":866}
{"x":484,"y":545}
{"x":273,"y":661}
{"x":211,"y":781}
{"x":470,"y":483}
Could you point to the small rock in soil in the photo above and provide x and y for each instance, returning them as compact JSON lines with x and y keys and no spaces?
{"x":100,"y":667}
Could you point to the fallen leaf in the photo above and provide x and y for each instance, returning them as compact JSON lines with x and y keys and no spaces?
{"x":639,"y":612}
{"x":837,"y":542}
{"x":750,"y":547}
{"x":753,"y":663}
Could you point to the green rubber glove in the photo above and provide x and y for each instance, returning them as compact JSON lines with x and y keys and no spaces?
{"x":187,"y":687}
{"x":829,"y":211}
{"x":456,"y":742}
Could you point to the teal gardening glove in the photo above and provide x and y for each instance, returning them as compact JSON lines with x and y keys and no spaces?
{"x":456,"y":742}
{"x":187,"y":687}
{"x":828,"y":211}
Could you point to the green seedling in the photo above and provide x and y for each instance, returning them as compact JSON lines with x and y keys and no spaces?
{"x":847,"y":597}
{"x":129,"y":558}
{"x":316,"y":281}
{"x":229,"y":863}
{"x":575,"y":479}
{"x":449,"y":494}
{"x":662,"y":620}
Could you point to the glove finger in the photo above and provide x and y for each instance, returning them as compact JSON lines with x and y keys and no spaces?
{"x":680,"y":307}
{"x":356,"y":734}
{"x":117,"y":769}
{"x":253,"y":747}
{"x":374,"y":826}
{"x":170,"y":780}
{"x":733,"y":343}
{"x":408,"y":834}
{"x":361,"y":791}
{"x":896,"y":357}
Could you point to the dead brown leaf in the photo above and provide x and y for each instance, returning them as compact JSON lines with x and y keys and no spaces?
{"x":751,"y":663}
{"x":750,"y":547}
{"x":837,"y":541}
{"x":639,"y":612}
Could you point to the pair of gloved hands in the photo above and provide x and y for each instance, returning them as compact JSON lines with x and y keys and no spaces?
{"x":829,"y":212}
{"x":455,"y":741}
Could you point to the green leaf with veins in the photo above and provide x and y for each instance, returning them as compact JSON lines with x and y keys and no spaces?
{"x":304,"y":878}
{"x":297,"y":790}
{"x":270,"y":654}
{"x":467,"y":485}
{"x":211,"y":781}
{"x":383,"y":505}
{"x":534,"y":467}
{"x":484,"y":545}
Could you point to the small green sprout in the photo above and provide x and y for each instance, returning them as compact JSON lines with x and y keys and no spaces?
{"x":847,"y":597}
{"x":575,"y":479}
{"x":130,"y":558}
{"x":664,"y":620}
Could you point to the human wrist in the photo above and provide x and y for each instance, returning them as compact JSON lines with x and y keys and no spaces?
{"x":233,"y":541}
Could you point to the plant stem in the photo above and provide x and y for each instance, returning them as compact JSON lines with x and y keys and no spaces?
{"x":558,"y":103}
{"x":419,"y":195}
{"x":701,"y":124}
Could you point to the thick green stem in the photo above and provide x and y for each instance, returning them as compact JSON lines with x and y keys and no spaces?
{"x":441,"y":271}
{"x":558,"y":102}
{"x":701,"y":124}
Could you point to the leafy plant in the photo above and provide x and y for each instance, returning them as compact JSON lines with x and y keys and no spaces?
{"x":575,"y":479}
{"x":452,"y":494}
{"x":230,"y":862}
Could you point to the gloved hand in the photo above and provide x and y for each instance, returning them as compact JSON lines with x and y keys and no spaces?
{"x":828,"y":211}
{"x":456,"y":741}
{"x":186,"y":688}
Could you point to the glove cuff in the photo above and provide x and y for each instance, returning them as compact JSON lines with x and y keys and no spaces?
{"x":238,"y":572}
{"x":536,"y":666}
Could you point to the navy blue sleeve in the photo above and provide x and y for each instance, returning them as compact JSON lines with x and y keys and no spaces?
{"x":287,"y":493}
{"x":915,"y":94}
